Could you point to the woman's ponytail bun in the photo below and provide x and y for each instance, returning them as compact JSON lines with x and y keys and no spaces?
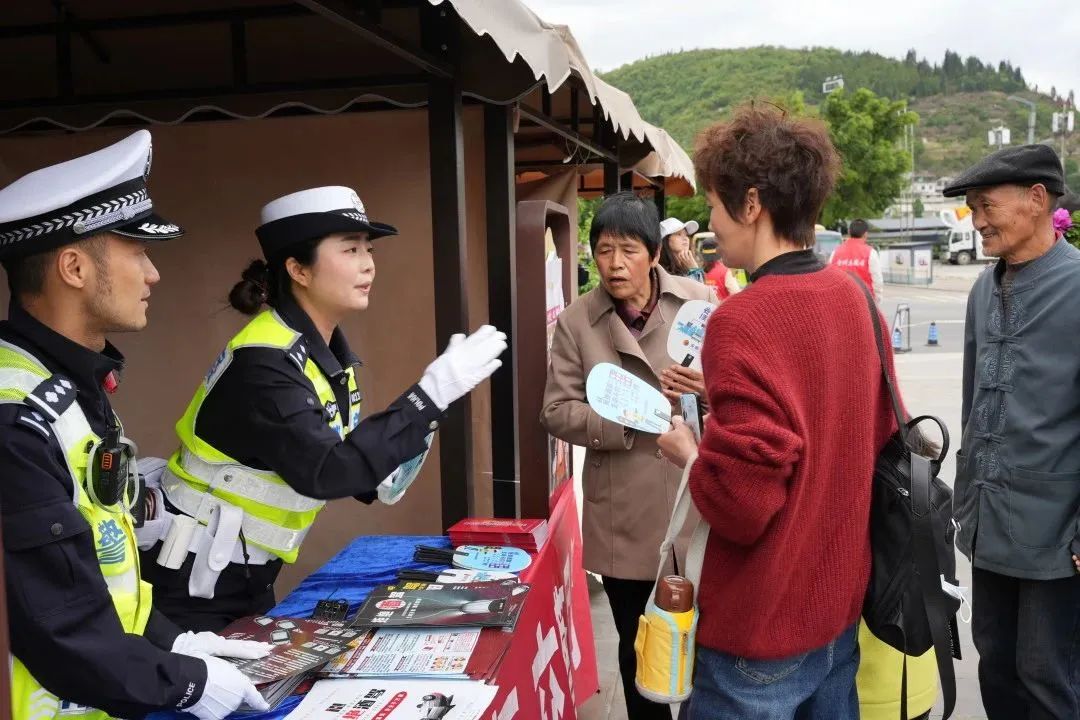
{"x":250,"y":294}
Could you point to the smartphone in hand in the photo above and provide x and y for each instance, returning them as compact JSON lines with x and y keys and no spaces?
{"x":691,"y":412}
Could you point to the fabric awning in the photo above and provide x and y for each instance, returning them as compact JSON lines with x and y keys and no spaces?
{"x":553,"y":55}
{"x":174,"y":73}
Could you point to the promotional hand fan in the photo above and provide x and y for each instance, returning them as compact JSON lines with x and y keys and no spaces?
{"x":393,"y":488}
{"x":476,"y":557}
{"x":688,"y":333}
{"x":454,"y":576}
{"x":626,"y":399}
{"x":491,"y":557}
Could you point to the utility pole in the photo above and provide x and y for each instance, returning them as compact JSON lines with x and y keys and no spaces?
{"x":1063,"y":122}
{"x":1031,"y":117}
{"x":910,"y":135}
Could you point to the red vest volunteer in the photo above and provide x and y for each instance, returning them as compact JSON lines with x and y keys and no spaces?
{"x":858,"y":258}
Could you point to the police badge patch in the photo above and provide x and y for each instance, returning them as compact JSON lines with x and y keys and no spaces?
{"x":111,"y":548}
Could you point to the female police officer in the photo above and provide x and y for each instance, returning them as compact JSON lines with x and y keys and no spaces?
{"x":274,"y":430}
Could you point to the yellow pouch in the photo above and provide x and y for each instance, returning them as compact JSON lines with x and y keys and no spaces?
{"x":664,"y":645}
{"x":665,"y":654}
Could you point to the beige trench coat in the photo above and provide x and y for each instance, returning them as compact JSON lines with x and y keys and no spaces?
{"x":629,"y":486}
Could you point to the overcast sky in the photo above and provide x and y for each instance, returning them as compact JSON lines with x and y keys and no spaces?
{"x":1041,"y":36}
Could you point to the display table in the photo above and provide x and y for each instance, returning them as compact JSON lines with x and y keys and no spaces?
{"x":550,"y":668}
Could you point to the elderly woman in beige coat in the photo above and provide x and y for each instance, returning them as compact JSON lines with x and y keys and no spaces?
{"x":629,"y":486}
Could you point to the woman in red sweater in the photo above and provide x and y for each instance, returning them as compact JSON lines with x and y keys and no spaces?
{"x":799,"y":414}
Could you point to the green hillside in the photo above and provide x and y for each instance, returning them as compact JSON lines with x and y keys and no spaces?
{"x":952,"y":128}
{"x":957,"y":100}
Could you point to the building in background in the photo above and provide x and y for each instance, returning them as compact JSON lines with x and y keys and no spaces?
{"x":924,"y":191}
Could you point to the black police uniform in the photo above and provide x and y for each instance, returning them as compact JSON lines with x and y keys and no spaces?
{"x":62,"y":622}
{"x":261,"y":414}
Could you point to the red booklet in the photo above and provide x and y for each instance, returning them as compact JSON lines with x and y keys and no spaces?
{"x":528,"y":534}
{"x":513,"y":526}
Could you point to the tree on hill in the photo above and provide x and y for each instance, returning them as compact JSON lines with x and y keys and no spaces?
{"x":955,"y":97}
{"x":866,"y":130}
{"x":683,"y":92}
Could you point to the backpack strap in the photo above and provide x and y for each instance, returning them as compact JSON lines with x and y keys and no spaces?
{"x":876,"y":318}
{"x":924,"y":541}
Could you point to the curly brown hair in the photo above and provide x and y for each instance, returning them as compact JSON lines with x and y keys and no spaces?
{"x":790,"y":160}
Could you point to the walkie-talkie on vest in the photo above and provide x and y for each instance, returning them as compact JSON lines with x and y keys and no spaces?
{"x":109,"y":468}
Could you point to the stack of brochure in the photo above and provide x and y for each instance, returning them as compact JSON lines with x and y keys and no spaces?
{"x":300,"y":647}
{"x":404,"y":654}
{"x":427,"y":604}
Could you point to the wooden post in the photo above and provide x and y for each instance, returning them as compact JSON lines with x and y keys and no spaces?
{"x":611,"y":178}
{"x":530,"y":346}
{"x":660,"y":199}
{"x":502,"y":298}
{"x":446,"y":148}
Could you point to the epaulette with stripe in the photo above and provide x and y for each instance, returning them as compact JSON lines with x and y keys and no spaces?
{"x":52,"y":397}
{"x":298,"y":352}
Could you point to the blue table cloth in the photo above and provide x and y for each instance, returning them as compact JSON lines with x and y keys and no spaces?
{"x":350,"y":575}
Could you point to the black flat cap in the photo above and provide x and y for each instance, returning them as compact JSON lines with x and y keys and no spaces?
{"x":1023,"y":165}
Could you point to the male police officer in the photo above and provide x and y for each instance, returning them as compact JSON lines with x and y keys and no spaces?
{"x":85,"y":639}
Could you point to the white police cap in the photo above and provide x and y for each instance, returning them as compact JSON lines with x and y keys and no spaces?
{"x":104,"y":191}
{"x":315,"y":213}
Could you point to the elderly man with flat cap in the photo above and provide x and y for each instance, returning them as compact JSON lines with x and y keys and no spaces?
{"x":1017,"y":503}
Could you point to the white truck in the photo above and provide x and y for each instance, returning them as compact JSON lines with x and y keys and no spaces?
{"x":964,"y":241}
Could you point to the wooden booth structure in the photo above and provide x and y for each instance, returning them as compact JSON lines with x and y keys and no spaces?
{"x":442,"y":114}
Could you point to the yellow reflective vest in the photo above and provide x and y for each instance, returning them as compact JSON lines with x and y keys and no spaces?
{"x":113,"y":530}
{"x":199,"y":476}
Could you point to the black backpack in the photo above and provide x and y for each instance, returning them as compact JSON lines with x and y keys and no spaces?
{"x":911,"y":539}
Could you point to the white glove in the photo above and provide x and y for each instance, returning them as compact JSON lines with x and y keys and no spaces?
{"x":467,"y":362}
{"x":226,"y":689}
{"x":207,"y":643}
